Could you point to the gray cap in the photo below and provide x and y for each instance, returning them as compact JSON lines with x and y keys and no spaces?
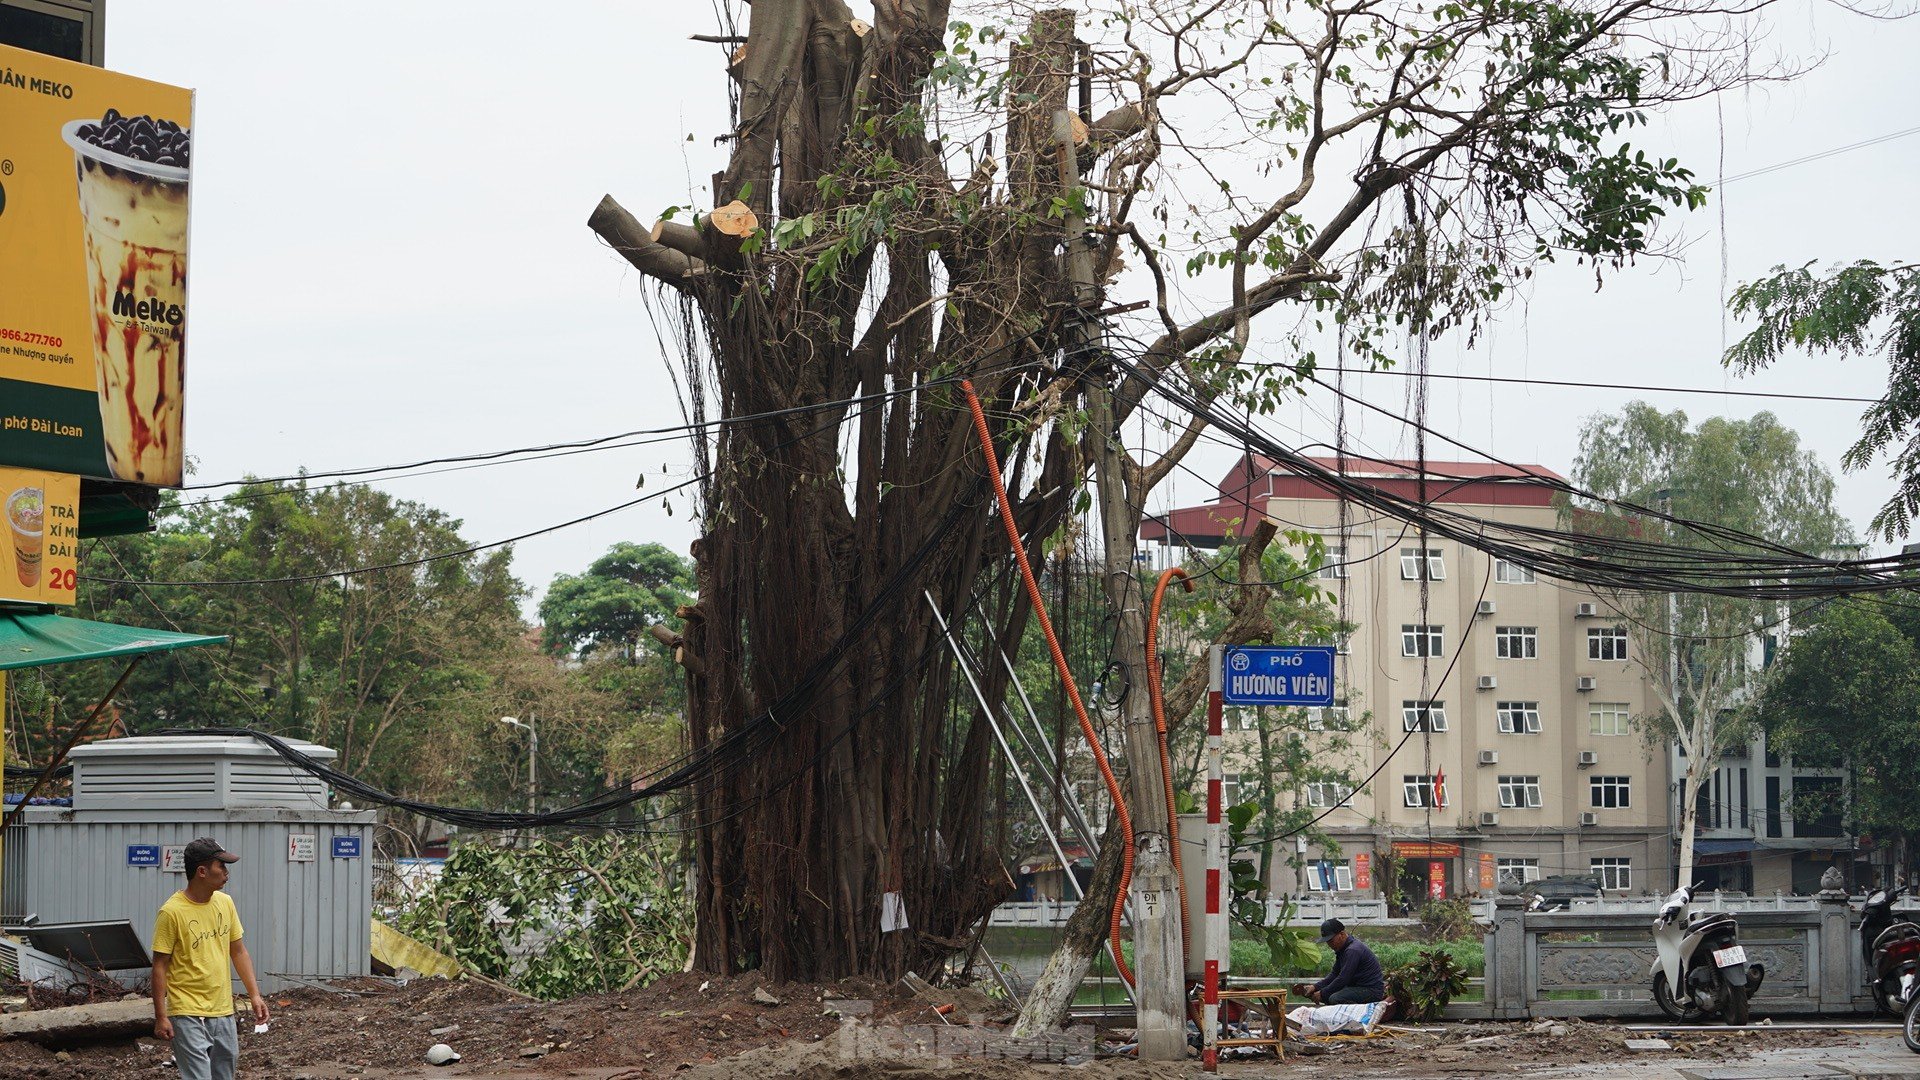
{"x":1331,"y":929}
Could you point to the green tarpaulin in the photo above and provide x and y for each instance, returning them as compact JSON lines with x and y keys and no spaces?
{"x":30,"y":639}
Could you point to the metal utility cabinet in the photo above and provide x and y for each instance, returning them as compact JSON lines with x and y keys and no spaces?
{"x":304,"y":882}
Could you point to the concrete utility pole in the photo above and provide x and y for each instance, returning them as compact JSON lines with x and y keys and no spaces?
{"x":1158,"y":958}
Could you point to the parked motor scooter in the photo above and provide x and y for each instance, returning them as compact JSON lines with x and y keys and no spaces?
{"x":1890,"y":945}
{"x":1700,"y":968}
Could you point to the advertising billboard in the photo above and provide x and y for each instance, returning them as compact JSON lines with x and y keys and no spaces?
{"x":93,"y":289}
{"x":38,"y":549}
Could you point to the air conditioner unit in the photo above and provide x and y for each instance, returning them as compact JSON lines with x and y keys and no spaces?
{"x":1488,"y":817}
{"x":1583,"y":682}
{"x":1588,"y":757}
{"x":1485,"y":608}
{"x":1586,"y":610}
{"x":1589,"y":818}
{"x":1489,"y":757}
{"x":1488,"y":682}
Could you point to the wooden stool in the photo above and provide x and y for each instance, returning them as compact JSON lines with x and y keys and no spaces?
{"x":1271,"y":1000}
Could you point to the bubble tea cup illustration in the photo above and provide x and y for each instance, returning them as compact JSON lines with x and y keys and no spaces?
{"x":132,"y":177}
{"x":26,"y":521}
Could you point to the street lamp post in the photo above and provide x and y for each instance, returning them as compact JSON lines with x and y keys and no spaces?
{"x":533,"y":760}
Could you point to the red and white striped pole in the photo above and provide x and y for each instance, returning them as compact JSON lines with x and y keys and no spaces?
{"x":1215,"y":935}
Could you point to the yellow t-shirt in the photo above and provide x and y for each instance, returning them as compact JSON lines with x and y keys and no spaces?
{"x":198,"y":937}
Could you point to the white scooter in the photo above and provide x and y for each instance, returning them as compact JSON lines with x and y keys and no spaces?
{"x":1700,"y":967}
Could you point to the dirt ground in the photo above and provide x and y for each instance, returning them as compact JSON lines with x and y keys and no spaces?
{"x":704,"y":1029}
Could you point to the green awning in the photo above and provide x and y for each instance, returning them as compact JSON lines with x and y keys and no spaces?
{"x":30,"y":639}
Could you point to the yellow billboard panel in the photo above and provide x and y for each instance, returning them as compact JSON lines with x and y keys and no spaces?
{"x":93,"y":289}
{"x":40,"y":544}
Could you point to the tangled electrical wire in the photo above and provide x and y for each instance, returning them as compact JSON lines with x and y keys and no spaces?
{"x":1627,"y":558}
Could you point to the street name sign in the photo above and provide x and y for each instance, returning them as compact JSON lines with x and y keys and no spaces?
{"x":1295,"y":675}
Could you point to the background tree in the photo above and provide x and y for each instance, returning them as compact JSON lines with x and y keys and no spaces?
{"x":1846,"y":690}
{"x":610,"y":607}
{"x":404,"y":668}
{"x":1854,"y":309}
{"x":900,"y":206}
{"x":1694,"y":648}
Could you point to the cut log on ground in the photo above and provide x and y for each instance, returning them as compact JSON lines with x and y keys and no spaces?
{"x":101,"y":1021}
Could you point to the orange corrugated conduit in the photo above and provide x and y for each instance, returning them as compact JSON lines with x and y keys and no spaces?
{"x":1160,"y":733}
{"x":1066,"y":679}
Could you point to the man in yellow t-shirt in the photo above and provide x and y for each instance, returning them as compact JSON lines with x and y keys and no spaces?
{"x":196,"y":952}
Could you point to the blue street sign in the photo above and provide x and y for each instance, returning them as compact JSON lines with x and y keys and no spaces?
{"x":1277,"y":675}
{"x":346,"y":847}
{"x":143,"y":854}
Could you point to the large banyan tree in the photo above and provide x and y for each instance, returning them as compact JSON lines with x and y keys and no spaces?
{"x":902,"y":205}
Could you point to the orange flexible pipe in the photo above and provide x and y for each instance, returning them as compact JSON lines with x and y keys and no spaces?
{"x":1066,"y":679}
{"x":1160,"y":731}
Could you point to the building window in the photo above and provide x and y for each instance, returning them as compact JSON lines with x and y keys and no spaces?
{"x":1230,"y":789}
{"x":1608,"y":718}
{"x":1519,"y":717}
{"x":1239,"y":720}
{"x":1606,"y":643}
{"x":1327,"y":718}
{"x":1334,"y":563}
{"x":1518,"y":871}
{"x":1328,"y":876}
{"x":1410,"y":564}
{"x":1326,"y":793}
{"x":1516,"y":642}
{"x":1417,"y":792}
{"x":1613,"y":873}
{"x":1423,"y":715}
{"x":1520,"y":792}
{"x":1610,"y":792}
{"x":1422,"y":639}
{"x":1512,"y":573}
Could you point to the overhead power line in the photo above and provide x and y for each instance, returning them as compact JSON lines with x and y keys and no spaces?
{"x":1601,"y":385}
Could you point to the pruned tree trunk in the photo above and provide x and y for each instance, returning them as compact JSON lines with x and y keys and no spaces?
{"x":831,"y":775}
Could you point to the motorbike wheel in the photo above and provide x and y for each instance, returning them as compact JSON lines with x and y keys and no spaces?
{"x":1663,"y":997}
{"x":1735,"y":1007}
{"x":1911,"y":1028}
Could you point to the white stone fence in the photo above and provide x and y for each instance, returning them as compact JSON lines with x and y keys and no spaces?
{"x":1311,"y":910}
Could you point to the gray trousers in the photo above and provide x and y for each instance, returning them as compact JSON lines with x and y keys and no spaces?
{"x":1356,"y":995}
{"x":205,"y":1047}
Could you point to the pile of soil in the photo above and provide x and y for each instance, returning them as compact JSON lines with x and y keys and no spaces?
{"x":705,"y":1028}
{"x":373,"y":1028}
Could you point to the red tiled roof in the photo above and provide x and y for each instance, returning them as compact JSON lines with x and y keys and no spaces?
{"x":1256,"y":478}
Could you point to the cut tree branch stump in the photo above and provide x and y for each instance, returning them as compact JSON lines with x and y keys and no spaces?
{"x":736,"y":219}
{"x":678,"y":644}
{"x":684,"y":239}
{"x":635,"y":243}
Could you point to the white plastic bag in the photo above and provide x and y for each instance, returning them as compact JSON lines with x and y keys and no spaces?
{"x":1337,"y":1019}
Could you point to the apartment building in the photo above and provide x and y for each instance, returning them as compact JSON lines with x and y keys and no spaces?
{"x":1491,"y":705}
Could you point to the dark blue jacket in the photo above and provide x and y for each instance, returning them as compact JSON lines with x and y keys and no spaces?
{"x":1354,"y":965}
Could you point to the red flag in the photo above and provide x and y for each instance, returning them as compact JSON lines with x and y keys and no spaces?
{"x":1440,"y":787}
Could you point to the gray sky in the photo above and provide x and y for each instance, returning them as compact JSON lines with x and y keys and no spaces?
{"x":391,"y":261}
